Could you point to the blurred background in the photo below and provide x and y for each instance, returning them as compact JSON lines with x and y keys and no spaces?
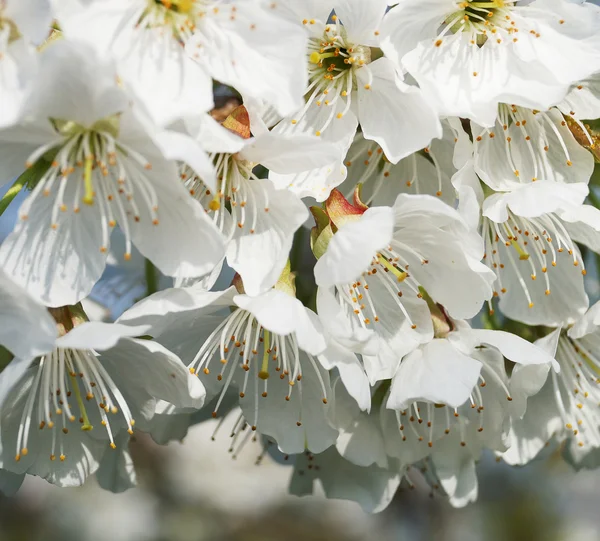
{"x":196,"y":491}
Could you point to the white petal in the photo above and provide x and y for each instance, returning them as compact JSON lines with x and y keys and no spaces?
{"x":410,"y":22}
{"x":583,"y":225}
{"x":180,"y":147}
{"x":352,"y":373}
{"x":259,"y":251}
{"x":361,"y":19}
{"x":147,"y":365}
{"x":17,"y":72}
{"x":26,"y":328}
{"x":587,"y":324}
{"x":185,"y":243}
{"x":117,"y":472}
{"x":282,"y":314}
{"x":534,"y":199}
{"x":456,"y":471}
{"x":245,"y":51}
{"x":98,"y":335}
{"x":353,"y":247}
{"x":372,"y":488}
{"x":436,"y":372}
{"x":32,"y":18}
{"x":57,"y":266}
{"x":289,"y":154}
{"x":279,"y":418}
{"x":514,"y":347}
{"x":392,"y":113}
{"x":165,"y":308}
{"x":567,"y":300}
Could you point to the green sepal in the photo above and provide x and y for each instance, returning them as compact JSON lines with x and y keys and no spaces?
{"x":320,"y":244}
{"x":287,"y":280}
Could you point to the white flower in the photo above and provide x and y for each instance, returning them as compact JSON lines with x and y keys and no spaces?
{"x":469,"y":56}
{"x":262,"y":219}
{"x":168,"y":51}
{"x":343,"y":71}
{"x":565,"y":405}
{"x":447,"y":370}
{"x":97,"y":374}
{"x":104,"y":169}
{"x":264,"y":346}
{"x":350,"y":82}
{"x":379,"y":258}
{"x":525,"y":146}
{"x":23,"y":23}
{"x":529,"y":235}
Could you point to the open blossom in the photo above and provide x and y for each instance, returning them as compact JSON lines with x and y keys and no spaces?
{"x":261,"y":221}
{"x":468,"y":56}
{"x":73,"y":400}
{"x":564,"y":406}
{"x":263,"y":346}
{"x":351,"y":83}
{"x":99,"y":165}
{"x":380,"y":257}
{"x":529,"y":236}
{"x":528,"y":145}
{"x":169,"y":51}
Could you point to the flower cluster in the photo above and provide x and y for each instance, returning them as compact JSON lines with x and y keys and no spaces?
{"x":399,"y":193}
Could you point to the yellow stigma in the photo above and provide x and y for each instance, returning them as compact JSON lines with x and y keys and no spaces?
{"x":214,"y":205}
{"x":181,"y":6}
{"x":523,"y":255}
{"x":264,"y":369}
{"x":400,"y":275}
{"x":316,"y":57}
{"x":88,"y":197}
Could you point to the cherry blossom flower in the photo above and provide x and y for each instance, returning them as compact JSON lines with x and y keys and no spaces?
{"x":99,"y":166}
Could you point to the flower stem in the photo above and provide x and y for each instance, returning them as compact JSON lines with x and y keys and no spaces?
{"x":12,"y":192}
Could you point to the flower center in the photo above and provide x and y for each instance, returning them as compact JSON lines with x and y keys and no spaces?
{"x":92,"y":167}
{"x":480,"y":16}
{"x":249,"y":354}
{"x":482,"y":19}
{"x":176,"y":16}
{"x":61,"y":376}
{"x":234,"y":176}
{"x":533,"y":241}
{"x":332,"y":63}
{"x":387,"y":280}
